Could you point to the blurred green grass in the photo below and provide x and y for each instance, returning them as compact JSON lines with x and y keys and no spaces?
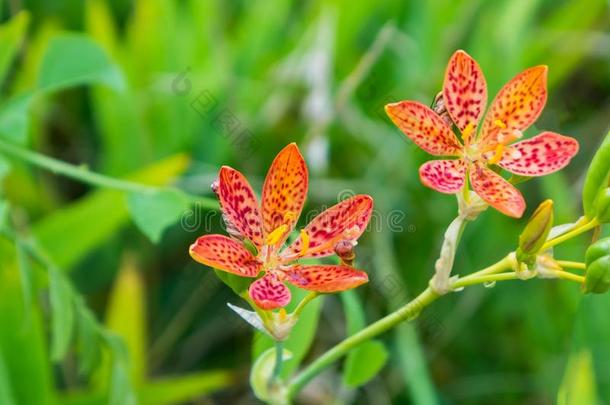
{"x":317,"y":73}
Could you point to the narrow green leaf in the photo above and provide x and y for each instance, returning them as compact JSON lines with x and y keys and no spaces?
{"x":62,"y":314}
{"x":121,"y":391}
{"x":578,"y":386}
{"x":14,"y":118}
{"x":25,"y":273}
{"x":12,"y":34}
{"x":184,"y":388}
{"x":74,"y":59}
{"x":154,"y":212}
{"x":128,"y":292}
{"x":6,"y":392}
{"x":88,"y":341}
{"x":364,"y":363}
{"x":3,"y":213}
{"x":597,"y":177}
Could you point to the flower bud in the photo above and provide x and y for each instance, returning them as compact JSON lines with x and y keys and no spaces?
{"x":536,"y":232}
{"x":602,"y":205}
{"x":345,"y":250}
{"x":597,"y":259}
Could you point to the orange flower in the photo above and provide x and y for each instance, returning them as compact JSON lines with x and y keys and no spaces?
{"x":268,"y":226}
{"x":515,"y":108}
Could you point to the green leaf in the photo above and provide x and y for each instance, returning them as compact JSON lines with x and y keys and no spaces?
{"x":62,"y":314}
{"x":597,"y":177}
{"x":154,"y":212}
{"x":88,"y":341}
{"x":5,"y":168}
{"x":74,"y":59}
{"x":121,"y":391}
{"x":364,"y":362}
{"x":25,"y":273}
{"x":262,"y":370}
{"x":12,"y":34}
{"x":3,"y":213}
{"x":184,"y":388}
{"x":578,"y":386}
{"x":77,"y":240}
{"x":6,"y":392}
{"x":236,"y":283}
{"x":14,"y":118}
{"x":301,"y":336}
{"x":128,"y":292}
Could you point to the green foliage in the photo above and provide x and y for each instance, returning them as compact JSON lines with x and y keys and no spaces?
{"x":597,"y":177}
{"x":262,"y":370}
{"x":11,"y":37}
{"x":153,"y":212}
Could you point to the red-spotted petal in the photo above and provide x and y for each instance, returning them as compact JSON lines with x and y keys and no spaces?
{"x":268,"y":292}
{"x":284,"y":191}
{"x":325,"y":278}
{"x":446,"y":176}
{"x":223,"y":253}
{"x":424,"y":127}
{"x":239,"y":204}
{"x":496,"y":191}
{"x":344,"y":221}
{"x":515,"y":107}
{"x":540,"y":155}
{"x":464,"y":90}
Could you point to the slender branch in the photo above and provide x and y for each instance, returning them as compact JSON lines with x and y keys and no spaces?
{"x":569,"y":235}
{"x":491,"y":278}
{"x":304,"y":301}
{"x":565,"y":275}
{"x":571,"y":265}
{"x":408,"y":311}
{"x":84,"y":175}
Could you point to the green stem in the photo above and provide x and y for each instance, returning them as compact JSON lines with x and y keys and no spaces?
{"x":569,"y":235}
{"x":485,"y":279}
{"x":277,"y":369}
{"x":304,"y":301}
{"x":571,"y":265}
{"x":408,"y":311}
{"x":84,"y":175}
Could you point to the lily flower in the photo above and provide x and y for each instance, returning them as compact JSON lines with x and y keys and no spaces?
{"x":514,"y":109}
{"x":267,"y":227}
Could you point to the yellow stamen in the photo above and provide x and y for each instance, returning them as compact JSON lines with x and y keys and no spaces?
{"x":305,"y":240}
{"x":500,"y":124}
{"x":275,"y":236}
{"x":467,"y":132}
{"x":282,"y":313}
{"x":498,"y":155}
{"x":290,"y":216}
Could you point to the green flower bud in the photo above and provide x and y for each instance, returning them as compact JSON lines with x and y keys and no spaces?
{"x":602,"y":205}
{"x":536,"y":232}
{"x":597,"y":259}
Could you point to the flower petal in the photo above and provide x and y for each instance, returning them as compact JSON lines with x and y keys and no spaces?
{"x":540,"y":155}
{"x":464,"y":90}
{"x":424,"y":127}
{"x":344,"y":221}
{"x":268,"y":292}
{"x":446,"y":176}
{"x":325,"y":278}
{"x":239,"y":204}
{"x":496,"y":191}
{"x":516,"y":106}
{"x":226,"y":254}
{"x":284,"y":191}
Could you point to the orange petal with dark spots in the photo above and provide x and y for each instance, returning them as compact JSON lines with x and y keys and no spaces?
{"x":424,"y":127}
{"x":446,"y":176}
{"x":464,"y":90}
{"x":496,"y":191}
{"x":516,"y":106}
{"x":543,"y":154}
{"x":346,"y":220}
{"x":239,"y":204}
{"x":325,"y":278}
{"x":268,"y":292}
{"x":226,"y":254}
{"x":284,"y":191}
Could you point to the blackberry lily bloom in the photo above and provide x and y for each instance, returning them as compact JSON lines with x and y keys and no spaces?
{"x":268,"y":226}
{"x":514,"y":109}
